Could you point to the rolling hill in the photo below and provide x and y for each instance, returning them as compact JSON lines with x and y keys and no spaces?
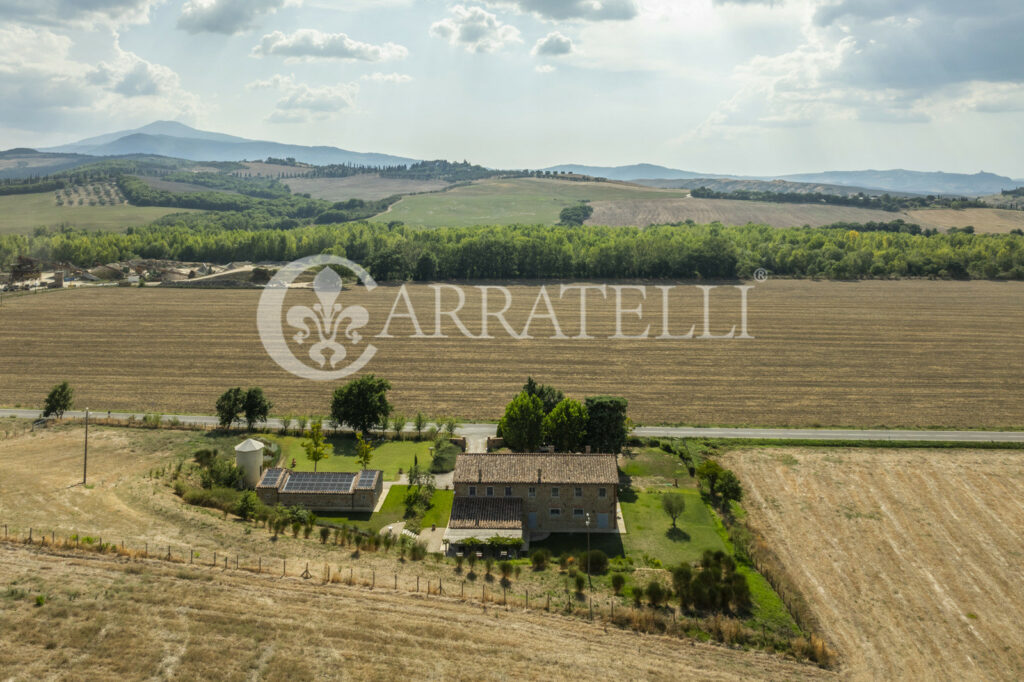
{"x":168,"y":138}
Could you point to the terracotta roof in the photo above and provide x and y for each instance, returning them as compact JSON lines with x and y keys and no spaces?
{"x":542,"y":467}
{"x":486,"y":512}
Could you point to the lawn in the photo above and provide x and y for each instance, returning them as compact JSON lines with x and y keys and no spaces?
{"x":389,"y":456}
{"x":511,"y":201}
{"x":654,"y":462}
{"x":21,"y":213}
{"x":393,"y":511}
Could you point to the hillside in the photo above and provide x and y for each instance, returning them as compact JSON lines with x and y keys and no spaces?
{"x":736,"y":184}
{"x":167,"y":138}
{"x":900,"y":180}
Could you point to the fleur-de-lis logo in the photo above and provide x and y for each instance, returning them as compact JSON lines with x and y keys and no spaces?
{"x":319,"y":325}
{"x":326,"y":318}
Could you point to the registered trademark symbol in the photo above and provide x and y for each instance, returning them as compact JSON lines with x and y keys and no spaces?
{"x":761,"y":275}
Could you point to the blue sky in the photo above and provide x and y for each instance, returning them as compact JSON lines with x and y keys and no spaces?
{"x":738,"y":86}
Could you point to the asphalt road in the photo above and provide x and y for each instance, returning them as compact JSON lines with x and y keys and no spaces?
{"x":481,"y":431}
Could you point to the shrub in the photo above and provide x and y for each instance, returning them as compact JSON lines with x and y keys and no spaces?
{"x":581,"y":582}
{"x":248,"y":503}
{"x":444,"y":457}
{"x":418,"y":551}
{"x":598,"y":561}
{"x":224,"y":499}
{"x":540,"y":559}
{"x":655,"y":593}
{"x":618,"y":581}
{"x":325,"y":533}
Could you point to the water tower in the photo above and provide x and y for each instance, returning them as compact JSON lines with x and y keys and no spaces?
{"x":249,"y":458}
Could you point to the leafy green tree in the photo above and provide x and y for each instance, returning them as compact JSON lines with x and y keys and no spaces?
{"x":618,"y":582}
{"x":364,"y":451}
{"x":449,"y":425}
{"x":607,"y":423}
{"x":59,"y":400}
{"x":709,"y":472}
{"x":673,"y":504}
{"x":362,"y":403}
{"x":549,"y":395}
{"x":575,"y":215}
{"x":398,"y":423}
{"x":419,"y":422}
{"x":426,"y":267}
{"x":729,"y":488}
{"x":316,"y":446}
{"x":248,"y":503}
{"x":565,"y":426}
{"x":256,"y":407}
{"x":655,"y":593}
{"x":522,"y":425}
{"x":230,"y":406}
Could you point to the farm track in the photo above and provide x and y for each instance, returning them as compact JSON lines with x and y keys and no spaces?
{"x":914,"y":354}
{"x":909,"y":559}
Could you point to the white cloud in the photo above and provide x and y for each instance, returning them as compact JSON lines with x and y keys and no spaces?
{"x":81,"y":13}
{"x":226,"y":16}
{"x":301,"y":102}
{"x":42,"y":86}
{"x":475,"y":29}
{"x":310,"y":44}
{"x":387,"y":77}
{"x":553,"y":44}
{"x":544,"y":68}
{"x":588,"y":10}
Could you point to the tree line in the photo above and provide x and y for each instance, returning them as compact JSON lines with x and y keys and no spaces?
{"x":398,"y":252}
{"x":884,"y":202}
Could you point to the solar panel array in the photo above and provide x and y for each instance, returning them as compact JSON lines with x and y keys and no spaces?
{"x":271,"y":478}
{"x":321,"y":482}
{"x":367,"y":478}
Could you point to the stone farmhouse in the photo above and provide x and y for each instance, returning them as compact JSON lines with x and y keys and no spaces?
{"x":532,"y":494}
{"x":322,"y":491}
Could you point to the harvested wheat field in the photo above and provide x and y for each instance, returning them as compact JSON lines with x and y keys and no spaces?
{"x":106,"y":619}
{"x":873,"y":353}
{"x":909,"y":559}
{"x":984,"y":220}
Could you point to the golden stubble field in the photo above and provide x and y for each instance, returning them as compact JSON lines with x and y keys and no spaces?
{"x":874,"y":353}
{"x":909,"y":559}
{"x":106,"y":617}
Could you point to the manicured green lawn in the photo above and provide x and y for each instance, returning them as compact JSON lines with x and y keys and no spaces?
{"x":389,"y":456}
{"x":393,"y":511}
{"x":650,"y":462}
{"x":649,"y":530}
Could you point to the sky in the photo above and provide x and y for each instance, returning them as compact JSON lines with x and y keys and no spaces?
{"x":758,"y":87}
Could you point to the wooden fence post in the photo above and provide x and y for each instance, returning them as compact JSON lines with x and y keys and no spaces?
{"x":373,"y":578}
{"x":236,"y":562}
{"x":440,"y":589}
{"x":527,"y":598}
{"x":328,"y":573}
{"x":284,"y":567}
{"x":259,"y":566}
{"x":417,"y":584}
{"x":396,"y":581}
{"x":214,"y":564}
{"x":191,"y":555}
{"x":463,"y":593}
{"x":30,"y":536}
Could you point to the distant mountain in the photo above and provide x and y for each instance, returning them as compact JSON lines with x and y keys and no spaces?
{"x":633,"y":172}
{"x":169,"y":138}
{"x":918,"y":182}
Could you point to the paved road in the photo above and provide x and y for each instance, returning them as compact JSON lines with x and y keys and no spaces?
{"x":475,"y":433}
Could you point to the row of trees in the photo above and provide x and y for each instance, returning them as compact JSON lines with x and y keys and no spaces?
{"x":542,"y":414}
{"x":398,"y":252}
{"x":884,"y":202}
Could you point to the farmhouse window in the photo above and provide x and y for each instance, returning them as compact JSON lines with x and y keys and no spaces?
{"x":555,"y":511}
{"x":490,"y":491}
{"x":554,"y":492}
{"x":508,"y":491}
{"x":533,"y":491}
{"x":472,"y":491}
{"x":602,"y":492}
{"x":578,"y":492}
{"x":577,"y":513}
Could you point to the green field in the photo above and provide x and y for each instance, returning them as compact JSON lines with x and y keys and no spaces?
{"x":512,"y":201}
{"x":21,"y":213}
{"x":393,"y":511}
{"x":389,"y":456}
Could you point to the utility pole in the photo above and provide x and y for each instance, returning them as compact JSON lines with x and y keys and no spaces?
{"x":590,"y":581}
{"x":85,"y":458}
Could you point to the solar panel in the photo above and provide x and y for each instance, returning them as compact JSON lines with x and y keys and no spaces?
{"x":271,"y":478}
{"x":319,"y":482}
{"x":367,"y":477}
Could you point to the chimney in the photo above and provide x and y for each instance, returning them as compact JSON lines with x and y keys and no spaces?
{"x":538,"y":475}
{"x":587,"y":449}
